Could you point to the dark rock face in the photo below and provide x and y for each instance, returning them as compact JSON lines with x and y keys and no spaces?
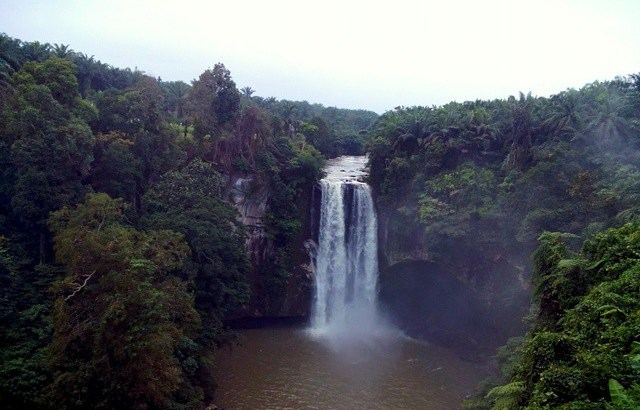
{"x":473,"y":304}
{"x":250,"y":196}
{"x":399,"y":240}
{"x":427,"y":302}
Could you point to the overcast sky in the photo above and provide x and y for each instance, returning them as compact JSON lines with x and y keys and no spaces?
{"x":354,"y":54}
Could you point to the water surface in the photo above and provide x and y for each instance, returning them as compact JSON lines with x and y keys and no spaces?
{"x":289,"y":368}
{"x":346,"y":168}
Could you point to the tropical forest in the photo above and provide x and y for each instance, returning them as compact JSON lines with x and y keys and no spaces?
{"x":174,"y":245}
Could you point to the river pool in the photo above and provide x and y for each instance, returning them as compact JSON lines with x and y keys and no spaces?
{"x":290,"y":368}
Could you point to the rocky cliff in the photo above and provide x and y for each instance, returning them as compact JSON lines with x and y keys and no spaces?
{"x":249,"y":194}
{"x":455,"y":301}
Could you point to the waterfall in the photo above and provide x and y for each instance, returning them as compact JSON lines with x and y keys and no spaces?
{"x":347,"y":260}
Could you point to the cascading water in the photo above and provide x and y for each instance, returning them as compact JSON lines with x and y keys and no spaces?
{"x":345,"y":302}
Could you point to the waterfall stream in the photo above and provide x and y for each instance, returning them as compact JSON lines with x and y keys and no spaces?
{"x":347,"y":267}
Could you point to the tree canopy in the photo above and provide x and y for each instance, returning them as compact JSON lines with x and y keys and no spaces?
{"x":120,"y":252}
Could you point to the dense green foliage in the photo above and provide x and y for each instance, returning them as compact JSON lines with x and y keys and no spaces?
{"x":120,"y":253}
{"x":283,"y":223}
{"x":584,"y":347}
{"x":479,"y":181}
{"x":120,"y":314}
{"x":189,"y":201}
{"x":333,"y":131}
{"x":473,"y":185}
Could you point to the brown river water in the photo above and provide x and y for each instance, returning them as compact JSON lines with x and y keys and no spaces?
{"x":289,"y":368}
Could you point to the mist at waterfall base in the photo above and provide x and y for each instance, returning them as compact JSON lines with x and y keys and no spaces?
{"x":345,"y":311}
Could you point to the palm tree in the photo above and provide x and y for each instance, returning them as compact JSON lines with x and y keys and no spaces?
{"x":5,"y":82}
{"x":11,"y":53}
{"x":10,"y":62}
{"x":566,"y":111}
{"x":62,"y":51}
{"x":247,"y":91}
{"x":390,"y":124}
{"x":523,"y":112}
{"x":608,"y":122}
{"x":86,"y":71}
{"x":413,"y":130}
{"x":36,"y":51}
{"x":175,"y":97}
{"x":479,"y":125}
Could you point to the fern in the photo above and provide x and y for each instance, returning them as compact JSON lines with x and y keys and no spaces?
{"x":620,"y":400}
{"x":506,"y":397}
{"x":571,"y":263}
{"x":635,"y":357}
{"x":628,"y":215}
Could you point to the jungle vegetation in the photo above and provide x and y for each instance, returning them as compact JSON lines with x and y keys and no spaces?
{"x":487,"y":184}
{"x":120,"y":254}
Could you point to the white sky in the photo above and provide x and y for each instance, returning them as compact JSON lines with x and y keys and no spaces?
{"x":355,"y":54}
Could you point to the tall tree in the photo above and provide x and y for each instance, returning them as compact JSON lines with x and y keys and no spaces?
{"x":51,"y":146}
{"x":189,"y":201}
{"x":62,"y":51}
{"x":214,"y":101}
{"x":115,"y":169}
{"x":175,"y":96}
{"x":121,"y":317}
{"x":523,"y":111}
{"x":247,"y":92}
